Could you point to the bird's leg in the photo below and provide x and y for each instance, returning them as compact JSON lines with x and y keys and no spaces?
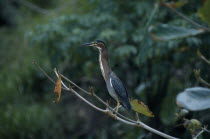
{"x":118,"y":105}
{"x":116,"y":108}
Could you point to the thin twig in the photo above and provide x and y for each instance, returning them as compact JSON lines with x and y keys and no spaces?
{"x":206,"y":60}
{"x":206,"y":130}
{"x":40,"y":10}
{"x":203,"y":81}
{"x":154,"y":11}
{"x":33,"y":6}
{"x":203,"y":57}
{"x":200,"y":79}
{"x":75,"y":93}
{"x":86,"y":101}
{"x":185,"y":17}
{"x":198,"y":134}
{"x":34,"y":62}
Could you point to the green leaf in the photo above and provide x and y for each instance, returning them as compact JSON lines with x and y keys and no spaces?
{"x":140,"y":107}
{"x":194,"y":99}
{"x":165,"y":32}
{"x":204,"y":11}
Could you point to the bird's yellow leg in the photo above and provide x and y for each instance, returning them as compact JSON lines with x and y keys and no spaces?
{"x":118,"y":105}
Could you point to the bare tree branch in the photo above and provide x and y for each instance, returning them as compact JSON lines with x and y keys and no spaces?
{"x":109,"y":111}
{"x":97,"y":97}
{"x":203,"y":57}
{"x":34,"y":62}
{"x":185,"y":17}
{"x":40,"y":10}
{"x":33,"y":6}
{"x":205,"y":129}
{"x":200,"y":79}
{"x":82,"y":98}
{"x":198,"y":134}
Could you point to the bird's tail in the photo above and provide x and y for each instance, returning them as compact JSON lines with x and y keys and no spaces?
{"x":126,"y":104}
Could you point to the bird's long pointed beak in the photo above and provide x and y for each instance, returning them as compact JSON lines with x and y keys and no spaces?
{"x":88,"y":44}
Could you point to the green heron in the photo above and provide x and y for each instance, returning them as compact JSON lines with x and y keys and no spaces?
{"x":114,"y":85}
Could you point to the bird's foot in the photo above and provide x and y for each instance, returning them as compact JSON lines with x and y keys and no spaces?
{"x":117,"y":107}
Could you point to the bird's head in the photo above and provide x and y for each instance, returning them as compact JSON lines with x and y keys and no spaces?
{"x":98,"y":44}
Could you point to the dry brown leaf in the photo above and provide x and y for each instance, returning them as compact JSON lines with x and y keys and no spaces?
{"x":57,"y":90}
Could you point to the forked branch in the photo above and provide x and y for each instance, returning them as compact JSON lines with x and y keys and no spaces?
{"x":108,"y":110}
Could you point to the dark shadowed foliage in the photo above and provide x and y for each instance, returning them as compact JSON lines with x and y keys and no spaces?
{"x":152,"y":50}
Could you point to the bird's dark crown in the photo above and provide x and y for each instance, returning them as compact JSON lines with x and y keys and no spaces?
{"x":99,"y":41}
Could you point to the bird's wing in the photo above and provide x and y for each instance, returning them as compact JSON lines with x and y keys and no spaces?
{"x":119,"y":87}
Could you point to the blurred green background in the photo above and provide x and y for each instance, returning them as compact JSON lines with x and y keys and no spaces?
{"x":51,"y":32}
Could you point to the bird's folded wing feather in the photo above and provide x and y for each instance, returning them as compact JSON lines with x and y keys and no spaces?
{"x":119,"y":87}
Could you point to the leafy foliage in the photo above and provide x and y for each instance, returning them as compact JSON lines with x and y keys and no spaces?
{"x":153,"y":71}
{"x":166,"y":32}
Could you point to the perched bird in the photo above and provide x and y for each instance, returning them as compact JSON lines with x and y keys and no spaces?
{"x":114,"y":85}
